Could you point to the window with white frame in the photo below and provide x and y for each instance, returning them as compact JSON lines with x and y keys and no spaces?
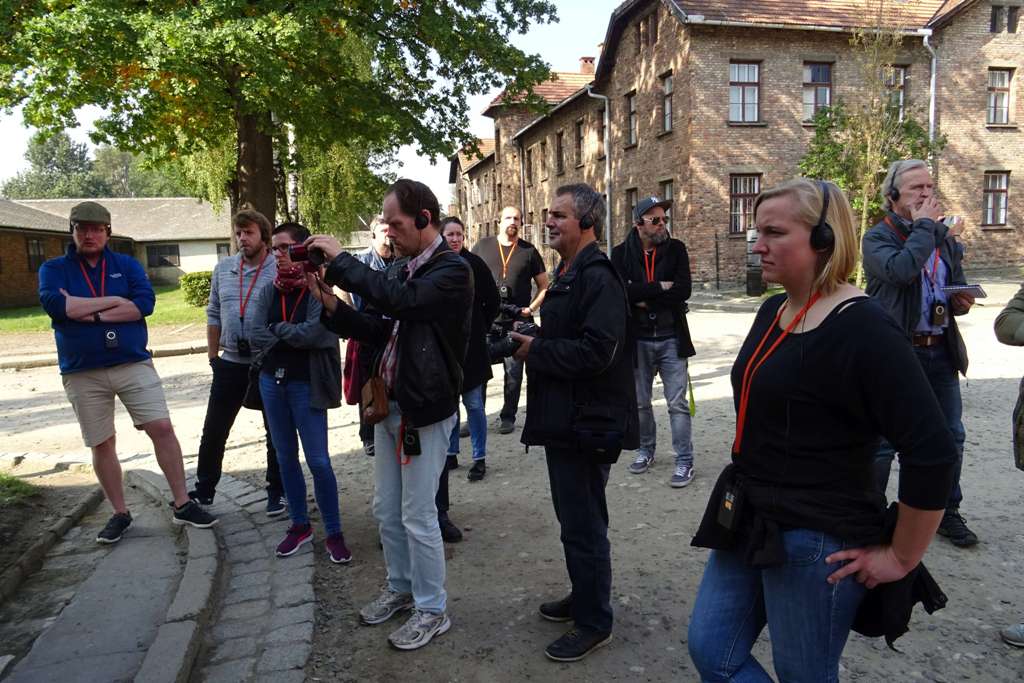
{"x":665,"y":189}
{"x":631,"y":123}
{"x":817,"y":92}
{"x":744,"y":92}
{"x":666,"y":102}
{"x":743,"y":189}
{"x":999,"y":96}
{"x":895,"y":78}
{"x":996,"y":198}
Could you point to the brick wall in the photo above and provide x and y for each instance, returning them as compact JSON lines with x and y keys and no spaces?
{"x":21,"y":285}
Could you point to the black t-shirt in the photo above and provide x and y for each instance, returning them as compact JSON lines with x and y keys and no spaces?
{"x":524,"y":264}
{"x":295,"y":362}
{"x":816,"y":410}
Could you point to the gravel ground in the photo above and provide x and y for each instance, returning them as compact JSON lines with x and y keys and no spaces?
{"x":511,"y":559}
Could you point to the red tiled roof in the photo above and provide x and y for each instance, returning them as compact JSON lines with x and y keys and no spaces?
{"x":467,"y":158}
{"x":910,"y":14}
{"x":949,"y":9}
{"x":561,"y":85}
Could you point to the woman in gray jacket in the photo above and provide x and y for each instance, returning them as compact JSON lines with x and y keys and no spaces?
{"x":300,"y":379}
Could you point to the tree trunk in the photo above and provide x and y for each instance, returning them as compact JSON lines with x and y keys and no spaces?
{"x":254,"y":169}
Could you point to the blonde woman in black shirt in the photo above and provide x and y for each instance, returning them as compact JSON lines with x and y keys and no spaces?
{"x":797,"y":527}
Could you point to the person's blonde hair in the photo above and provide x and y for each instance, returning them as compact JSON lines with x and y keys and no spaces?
{"x":835,"y":264}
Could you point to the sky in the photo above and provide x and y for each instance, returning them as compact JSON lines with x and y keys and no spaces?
{"x":580,"y":29}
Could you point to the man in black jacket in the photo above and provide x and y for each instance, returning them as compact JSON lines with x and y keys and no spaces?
{"x":425,"y":297}
{"x":581,"y":407}
{"x":656,"y":270}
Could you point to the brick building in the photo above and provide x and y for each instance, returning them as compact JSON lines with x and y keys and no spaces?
{"x":709,"y":101}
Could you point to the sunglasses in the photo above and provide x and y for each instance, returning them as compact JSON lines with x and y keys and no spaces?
{"x":654,"y":220}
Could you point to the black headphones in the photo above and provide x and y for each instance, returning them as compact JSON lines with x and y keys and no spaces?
{"x":587,"y":221}
{"x":822,"y":236}
{"x":894,"y":192}
{"x":422,"y":221}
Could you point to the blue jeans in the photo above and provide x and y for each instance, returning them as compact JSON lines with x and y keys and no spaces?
{"x":808,"y":618}
{"x":477,"y":418}
{"x":403,"y":503}
{"x":288,"y":410}
{"x":661,"y":357}
{"x":946,"y":385}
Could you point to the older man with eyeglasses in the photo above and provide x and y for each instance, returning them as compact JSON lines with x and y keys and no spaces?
{"x":656,"y":270}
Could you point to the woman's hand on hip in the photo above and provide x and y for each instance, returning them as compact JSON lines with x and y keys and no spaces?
{"x":871,"y":565}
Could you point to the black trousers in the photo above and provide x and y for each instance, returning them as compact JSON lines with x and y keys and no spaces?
{"x":513,"y":387}
{"x":226,"y":393}
{"x":441,"y":499}
{"x":578,"y":494}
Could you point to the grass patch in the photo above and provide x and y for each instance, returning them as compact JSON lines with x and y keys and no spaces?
{"x":14,"y":490}
{"x":171,"y":309}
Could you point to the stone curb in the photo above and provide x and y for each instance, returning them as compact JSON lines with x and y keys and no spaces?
{"x":172,"y":654}
{"x":32,"y":558}
{"x":51,"y":359}
{"x":738,"y":307}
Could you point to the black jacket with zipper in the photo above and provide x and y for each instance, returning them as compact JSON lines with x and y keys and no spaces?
{"x":434,"y":308}
{"x":581,"y":364}
{"x":671,"y":264}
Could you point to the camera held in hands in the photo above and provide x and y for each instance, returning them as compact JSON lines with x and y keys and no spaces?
{"x":500,"y":343}
{"x":311,"y":259}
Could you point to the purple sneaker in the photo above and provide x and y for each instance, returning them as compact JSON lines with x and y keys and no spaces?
{"x":297,"y":536}
{"x":337,"y":550}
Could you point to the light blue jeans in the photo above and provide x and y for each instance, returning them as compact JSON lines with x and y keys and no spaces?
{"x":809,"y":619}
{"x":403,"y":503}
{"x":662,"y":358}
{"x":477,"y":418}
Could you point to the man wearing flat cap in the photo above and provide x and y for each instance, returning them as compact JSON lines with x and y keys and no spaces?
{"x":656,"y":270}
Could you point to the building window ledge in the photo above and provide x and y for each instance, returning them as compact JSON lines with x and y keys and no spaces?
{"x":632,"y":146}
{"x":998,"y":228}
{"x":807,"y":124}
{"x":600,"y":157}
{"x":580,"y":165}
{"x":664,"y":133}
{"x":562,"y":172}
{"x":747,"y":124}
{"x":1001,"y":126}
{"x":736,"y":236}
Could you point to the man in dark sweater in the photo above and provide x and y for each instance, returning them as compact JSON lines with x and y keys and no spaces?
{"x":656,"y":270}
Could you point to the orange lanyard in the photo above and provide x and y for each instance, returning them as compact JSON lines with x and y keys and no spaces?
{"x":244,"y":301}
{"x":506,"y":259}
{"x":288,"y":318}
{"x":103,"y":278}
{"x":935,"y":259}
{"x":754,"y":364}
{"x":649,"y":265}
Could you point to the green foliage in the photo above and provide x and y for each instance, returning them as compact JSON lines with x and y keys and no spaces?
{"x":14,"y":490}
{"x":131,"y":175}
{"x":196,"y":287}
{"x":59,"y":167}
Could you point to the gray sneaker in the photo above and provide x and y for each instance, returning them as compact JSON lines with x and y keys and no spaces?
{"x":385,"y":606}
{"x":641,"y":463}
{"x":418,"y":631}
{"x":681,"y":477}
{"x":1013,"y":635}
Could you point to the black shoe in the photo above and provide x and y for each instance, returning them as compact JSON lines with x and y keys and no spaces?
{"x":576,"y":644}
{"x":464,"y":430}
{"x":275,"y":504}
{"x":449,"y":532}
{"x":451,"y":462}
{"x":191,"y":513}
{"x":115,"y":528}
{"x":506,"y":426}
{"x":478,"y":470}
{"x":955,"y":529}
{"x":558,"y":610}
{"x":200,"y":498}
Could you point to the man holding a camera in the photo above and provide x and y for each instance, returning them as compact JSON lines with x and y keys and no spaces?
{"x":515,"y":265}
{"x":909,"y":258}
{"x":581,"y":406}
{"x":236,"y":281}
{"x":426,"y":297}
{"x":98,"y":300}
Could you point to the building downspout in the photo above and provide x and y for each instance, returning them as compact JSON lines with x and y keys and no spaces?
{"x":932,"y":86}
{"x":522,"y":176}
{"x":607,"y":166}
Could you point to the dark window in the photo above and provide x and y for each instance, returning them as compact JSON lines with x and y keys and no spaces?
{"x":997,"y":191}
{"x":559,"y":152}
{"x":543,"y":159}
{"x":162,"y":255}
{"x":996,"y":23}
{"x":497,"y":194}
{"x":999,"y":95}
{"x":640,"y":36}
{"x":743,"y":189}
{"x":631,"y":197}
{"x":578,"y":142}
{"x":817,"y":88}
{"x":666,"y":102}
{"x":895,"y":78}
{"x":36,"y":254}
{"x":223,"y":251}
{"x":497,"y":145}
{"x":529,"y":166}
{"x":667,"y":195}
{"x":652,"y":30}
{"x":1012,"y":16}
{"x":631,"y":132}
{"x":600,"y":133}
{"x":744,"y":92}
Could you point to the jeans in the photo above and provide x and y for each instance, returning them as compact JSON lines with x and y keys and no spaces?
{"x":946,"y":385}
{"x":226,"y":393}
{"x":661,"y":357}
{"x":513,"y":385}
{"x":403,"y":503}
{"x":808,"y":619}
{"x":477,"y":418}
{"x":578,"y":495}
{"x":287,"y":409}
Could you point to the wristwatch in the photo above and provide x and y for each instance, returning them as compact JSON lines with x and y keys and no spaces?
{"x":96,"y":317}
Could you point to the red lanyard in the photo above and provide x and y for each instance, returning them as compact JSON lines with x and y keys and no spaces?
{"x":754,"y":364}
{"x":649,"y":265}
{"x":284,"y":316}
{"x":506,"y":259}
{"x":401,"y":440}
{"x":103,"y":278}
{"x":935,"y":259}
{"x":243,"y":302}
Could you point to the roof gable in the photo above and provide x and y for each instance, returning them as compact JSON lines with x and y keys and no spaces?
{"x":561,"y":85}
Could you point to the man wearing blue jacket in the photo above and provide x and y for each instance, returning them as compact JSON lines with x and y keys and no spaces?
{"x":98,"y":300}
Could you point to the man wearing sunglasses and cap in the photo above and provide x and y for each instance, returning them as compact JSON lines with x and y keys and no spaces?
{"x":656,"y":270}
{"x":98,"y":300}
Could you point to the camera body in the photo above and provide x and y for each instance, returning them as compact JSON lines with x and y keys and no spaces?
{"x":311,"y":259}
{"x":502,"y":345}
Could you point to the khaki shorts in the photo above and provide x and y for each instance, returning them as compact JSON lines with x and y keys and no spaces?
{"x":92,"y":393}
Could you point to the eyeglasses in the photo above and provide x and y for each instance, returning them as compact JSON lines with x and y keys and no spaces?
{"x":283,"y":248}
{"x":654,"y":220}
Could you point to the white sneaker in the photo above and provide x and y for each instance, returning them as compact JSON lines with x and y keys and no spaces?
{"x":419,"y":630}
{"x":385,"y":606}
{"x":681,"y":477}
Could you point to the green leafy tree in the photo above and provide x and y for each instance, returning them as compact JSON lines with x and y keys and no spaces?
{"x":178,"y":79}
{"x":58,"y":167}
{"x":131,"y":175}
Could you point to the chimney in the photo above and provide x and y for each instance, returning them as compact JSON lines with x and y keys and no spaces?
{"x":586,"y":65}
